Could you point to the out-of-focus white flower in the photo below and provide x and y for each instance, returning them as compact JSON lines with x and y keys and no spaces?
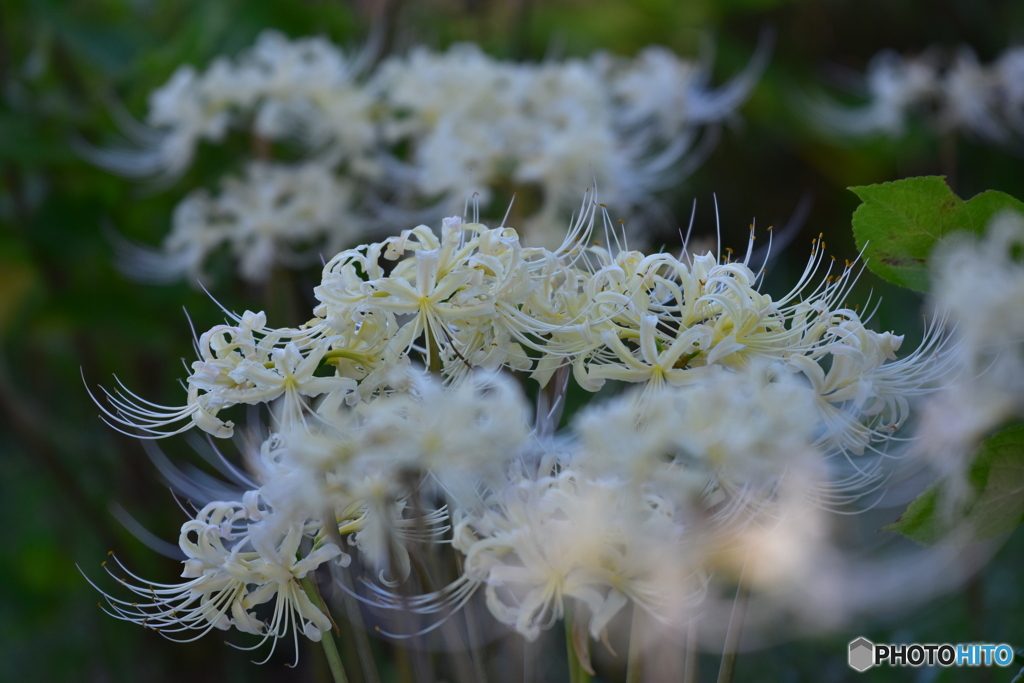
{"x":979,"y":282}
{"x":276,"y":215}
{"x":568,"y":537}
{"x":363,"y":464}
{"x":477,"y":125}
{"x":290,"y":89}
{"x":1009,"y":73}
{"x":428,"y":129}
{"x":971,"y":94}
{"x":725,"y":441}
{"x":958,"y":94}
{"x":895,"y":85}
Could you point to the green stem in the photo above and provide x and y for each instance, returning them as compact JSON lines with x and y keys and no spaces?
{"x":327,"y":638}
{"x":635,"y":663}
{"x":577,"y":674}
{"x":433,"y":351}
{"x":732,"y":636}
{"x":403,"y":665}
{"x":355,"y":620}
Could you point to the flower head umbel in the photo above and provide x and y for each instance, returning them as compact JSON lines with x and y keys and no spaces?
{"x":747,"y":412}
{"x":419,"y":134}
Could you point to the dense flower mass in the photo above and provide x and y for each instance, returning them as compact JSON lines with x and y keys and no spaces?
{"x":748,"y":410}
{"x":424,"y":131}
{"x":960,"y":94}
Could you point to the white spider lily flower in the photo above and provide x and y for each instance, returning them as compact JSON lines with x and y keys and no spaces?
{"x":322,"y":473}
{"x":237,"y":367}
{"x":655,"y":367}
{"x":747,"y":431}
{"x":280,"y":570}
{"x":290,"y":377}
{"x":474,"y":298}
{"x":464,"y":293}
{"x":965,"y":264}
{"x":669,"y":320}
{"x":214,"y":596}
{"x":846,"y":392}
{"x":233,"y":565}
{"x":568,"y":538}
{"x":749,"y":410}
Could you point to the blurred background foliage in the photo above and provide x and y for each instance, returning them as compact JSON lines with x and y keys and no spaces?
{"x":66,"y":313}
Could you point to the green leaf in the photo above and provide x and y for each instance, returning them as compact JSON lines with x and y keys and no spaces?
{"x":900,"y":223}
{"x":996,"y":507}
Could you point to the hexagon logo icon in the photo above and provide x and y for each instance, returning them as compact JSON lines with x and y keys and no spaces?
{"x":862,"y":654}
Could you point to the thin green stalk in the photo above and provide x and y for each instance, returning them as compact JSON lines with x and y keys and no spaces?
{"x":635,"y":662}
{"x":327,"y":638}
{"x":732,"y":636}
{"x":432,"y":350}
{"x":403,"y":664}
{"x":367,"y":663}
{"x":577,"y":674}
{"x":355,"y":619}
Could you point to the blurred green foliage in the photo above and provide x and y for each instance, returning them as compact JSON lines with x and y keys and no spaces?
{"x":66,"y":313}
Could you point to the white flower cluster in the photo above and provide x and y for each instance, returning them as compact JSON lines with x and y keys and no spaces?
{"x":980,"y":282}
{"x":959,"y":95}
{"x":476,"y":125}
{"x":748,"y":410}
{"x":424,"y":130}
